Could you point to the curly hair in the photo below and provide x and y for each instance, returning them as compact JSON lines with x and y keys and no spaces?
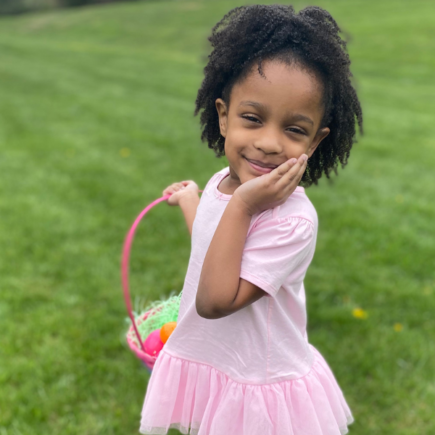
{"x":310,"y":38}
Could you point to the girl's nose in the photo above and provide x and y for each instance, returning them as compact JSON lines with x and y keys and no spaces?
{"x":268,"y":143}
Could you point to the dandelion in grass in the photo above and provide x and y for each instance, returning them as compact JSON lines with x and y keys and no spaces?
{"x":398,"y":327}
{"x":124,"y":152}
{"x":359,"y":313}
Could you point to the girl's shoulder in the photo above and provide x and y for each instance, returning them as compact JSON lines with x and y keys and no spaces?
{"x":298,"y":205}
{"x":297,"y":212}
{"x":218,"y":175}
{"x":215,"y":177}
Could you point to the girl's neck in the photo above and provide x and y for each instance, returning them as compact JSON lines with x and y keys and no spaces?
{"x":225,"y":186}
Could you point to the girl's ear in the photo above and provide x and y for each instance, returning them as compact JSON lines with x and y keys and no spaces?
{"x":321,"y":134}
{"x":223,"y":115}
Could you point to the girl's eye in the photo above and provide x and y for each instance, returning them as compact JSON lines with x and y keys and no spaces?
{"x":250,"y":118}
{"x":296,"y":130}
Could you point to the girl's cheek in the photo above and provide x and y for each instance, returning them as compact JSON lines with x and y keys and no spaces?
{"x":241,"y":136}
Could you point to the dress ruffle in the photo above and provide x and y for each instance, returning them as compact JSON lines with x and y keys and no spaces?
{"x":183,"y":394}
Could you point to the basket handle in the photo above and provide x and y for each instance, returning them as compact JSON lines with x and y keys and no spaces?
{"x":125,"y":262}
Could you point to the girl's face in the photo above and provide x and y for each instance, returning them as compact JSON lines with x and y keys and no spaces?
{"x":270,"y":120}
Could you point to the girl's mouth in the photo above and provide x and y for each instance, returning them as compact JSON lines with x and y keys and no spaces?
{"x":259,"y":168}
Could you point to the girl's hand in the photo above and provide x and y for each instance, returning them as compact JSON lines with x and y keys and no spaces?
{"x":178,"y":190}
{"x":272,"y":189}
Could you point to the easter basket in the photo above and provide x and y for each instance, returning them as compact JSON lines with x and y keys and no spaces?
{"x":149,"y":325}
{"x":151,"y":328}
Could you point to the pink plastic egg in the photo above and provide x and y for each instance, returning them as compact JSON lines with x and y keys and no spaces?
{"x":153,"y":344}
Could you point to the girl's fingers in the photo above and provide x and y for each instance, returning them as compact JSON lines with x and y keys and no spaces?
{"x":175,"y":187}
{"x":289,"y":169}
{"x":295,"y":172}
{"x":284,"y":168}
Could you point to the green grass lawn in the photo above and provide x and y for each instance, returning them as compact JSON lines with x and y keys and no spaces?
{"x":96,"y":118}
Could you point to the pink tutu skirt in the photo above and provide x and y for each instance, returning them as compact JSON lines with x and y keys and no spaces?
{"x":187,"y":395}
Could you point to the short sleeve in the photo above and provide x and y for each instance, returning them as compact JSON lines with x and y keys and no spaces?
{"x":278,"y":250}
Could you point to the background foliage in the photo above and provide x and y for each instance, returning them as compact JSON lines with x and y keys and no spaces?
{"x":11,"y":7}
{"x":96,"y":119}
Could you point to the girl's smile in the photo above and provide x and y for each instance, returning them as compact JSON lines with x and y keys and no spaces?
{"x":261,"y":167}
{"x":269,"y":121}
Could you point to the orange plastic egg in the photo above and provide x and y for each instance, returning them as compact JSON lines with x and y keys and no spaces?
{"x":166,"y":330}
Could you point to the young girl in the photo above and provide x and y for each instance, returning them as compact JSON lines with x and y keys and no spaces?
{"x":278,"y":103}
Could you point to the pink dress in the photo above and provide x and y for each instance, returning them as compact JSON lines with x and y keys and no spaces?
{"x":252,"y":372}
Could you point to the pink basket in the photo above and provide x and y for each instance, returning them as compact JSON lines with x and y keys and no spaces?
{"x":132,"y":341}
{"x":133,"y":337}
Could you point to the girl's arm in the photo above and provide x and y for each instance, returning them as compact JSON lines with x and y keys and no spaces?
{"x":220,"y":283}
{"x":189,"y":204}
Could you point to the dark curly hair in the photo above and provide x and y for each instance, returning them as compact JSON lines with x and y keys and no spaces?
{"x":310,"y":38}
